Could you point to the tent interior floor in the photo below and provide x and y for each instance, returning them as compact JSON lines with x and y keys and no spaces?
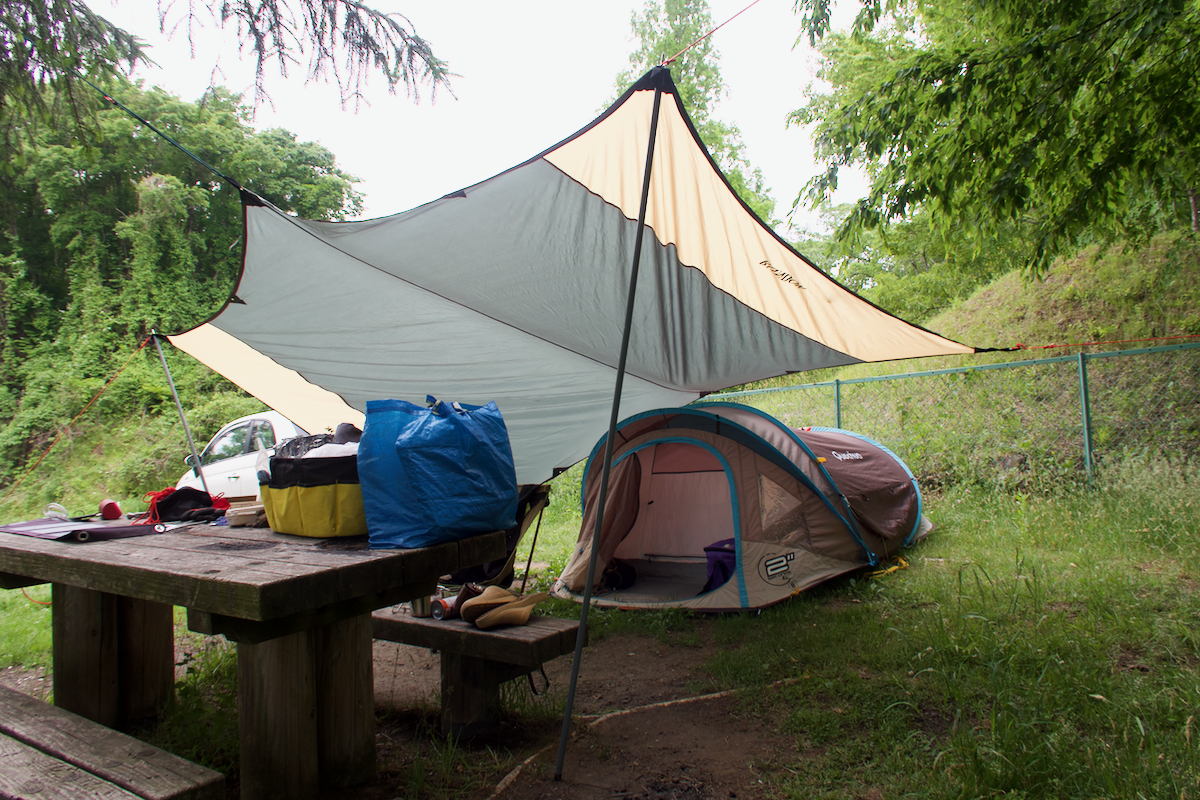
{"x":660,"y":581}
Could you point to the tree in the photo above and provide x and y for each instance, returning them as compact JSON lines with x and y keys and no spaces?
{"x":104,"y":242}
{"x":912,"y":269}
{"x":1072,"y":121}
{"x":51,"y":49}
{"x":666,"y":30}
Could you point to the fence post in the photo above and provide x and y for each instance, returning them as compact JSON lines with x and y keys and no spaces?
{"x":1086,"y":407}
{"x":837,"y":402}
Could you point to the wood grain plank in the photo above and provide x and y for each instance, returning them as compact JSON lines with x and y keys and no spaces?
{"x":119,"y":759}
{"x":145,"y":657}
{"x":32,"y":775}
{"x":345,"y":702}
{"x":277,"y":719}
{"x":530,"y":645}
{"x":248,"y":584}
{"x":254,"y":631}
{"x":84,"y":625}
{"x":10,"y":581}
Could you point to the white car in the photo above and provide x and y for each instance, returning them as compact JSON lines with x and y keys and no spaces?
{"x":229,"y":460}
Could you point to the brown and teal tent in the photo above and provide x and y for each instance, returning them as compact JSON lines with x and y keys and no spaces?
{"x":722,"y":507}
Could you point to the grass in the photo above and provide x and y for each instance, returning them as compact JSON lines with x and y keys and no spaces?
{"x":25,"y":634}
{"x":1039,"y":645}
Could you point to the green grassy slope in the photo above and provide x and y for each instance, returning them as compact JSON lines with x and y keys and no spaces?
{"x":1097,"y":295}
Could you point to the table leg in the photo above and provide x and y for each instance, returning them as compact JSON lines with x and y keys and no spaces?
{"x":84,"y":629}
{"x":277,"y":719}
{"x":345,"y":702}
{"x":114,"y":657}
{"x":470,"y":694}
{"x":146,"y":656}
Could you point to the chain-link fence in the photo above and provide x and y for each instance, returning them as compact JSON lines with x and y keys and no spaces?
{"x":1013,"y":422}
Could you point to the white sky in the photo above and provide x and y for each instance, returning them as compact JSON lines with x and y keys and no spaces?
{"x":532,"y":73}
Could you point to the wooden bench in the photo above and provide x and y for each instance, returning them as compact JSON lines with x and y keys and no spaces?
{"x":473,"y":662}
{"x":47,"y":753}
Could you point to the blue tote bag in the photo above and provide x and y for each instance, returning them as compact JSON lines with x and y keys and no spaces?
{"x":435,"y":474}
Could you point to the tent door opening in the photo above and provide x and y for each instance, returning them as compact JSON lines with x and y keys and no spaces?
{"x":684,"y":504}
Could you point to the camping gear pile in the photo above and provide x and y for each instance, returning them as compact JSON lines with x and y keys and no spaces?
{"x":414,"y":477}
{"x":720,"y":507}
{"x":311,"y":487}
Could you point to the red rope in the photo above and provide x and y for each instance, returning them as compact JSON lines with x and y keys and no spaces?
{"x":30,"y":599}
{"x":66,"y":428}
{"x":1093,"y":344}
{"x":671,"y":60}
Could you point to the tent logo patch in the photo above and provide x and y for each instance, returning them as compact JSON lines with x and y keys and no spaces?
{"x":776,"y":569}
{"x":783,"y":276}
{"x":847,"y":456}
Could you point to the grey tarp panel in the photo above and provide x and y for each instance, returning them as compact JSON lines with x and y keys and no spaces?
{"x":514,"y":290}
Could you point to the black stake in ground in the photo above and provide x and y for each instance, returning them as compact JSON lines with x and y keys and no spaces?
{"x":612,"y":434}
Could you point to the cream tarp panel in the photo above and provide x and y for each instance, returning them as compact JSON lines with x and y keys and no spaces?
{"x":515,"y":290}
{"x":309,"y":406}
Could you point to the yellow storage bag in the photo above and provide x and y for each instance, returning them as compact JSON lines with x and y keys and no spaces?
{"x":313,"y":496}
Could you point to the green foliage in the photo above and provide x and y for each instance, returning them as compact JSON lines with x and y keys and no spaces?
{"x":913,"y":269}
{"x":201,"y":721}
{"x":45,"y":48}
{"x":665,"y":30}
{"x":1065,"y":120}
{"x":1035,"y":647}
{"x":107,"y":242}
{"x":1103,"y":293}
{"x":1021,"y":429}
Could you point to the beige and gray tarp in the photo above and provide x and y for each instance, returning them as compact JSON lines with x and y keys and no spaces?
{"x":515,"y":289}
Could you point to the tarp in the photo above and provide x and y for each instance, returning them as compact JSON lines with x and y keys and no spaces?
{"x":514,"y":290}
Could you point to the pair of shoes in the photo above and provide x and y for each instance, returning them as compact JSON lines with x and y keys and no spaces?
{"x":514,"y":613}
{"x":498,"y":606}
{"x":491,"y":598}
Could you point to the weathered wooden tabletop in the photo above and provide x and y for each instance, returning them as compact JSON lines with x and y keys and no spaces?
{"x":250,"y":574}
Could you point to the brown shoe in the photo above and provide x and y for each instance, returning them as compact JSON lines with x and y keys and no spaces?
{"x":514,"y":613}
{"x":492,"y":597}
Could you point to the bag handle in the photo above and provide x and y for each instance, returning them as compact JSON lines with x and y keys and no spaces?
{"x":443,"y":409}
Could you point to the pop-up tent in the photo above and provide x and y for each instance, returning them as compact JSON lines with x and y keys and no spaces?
{"x":719,"y":506}
{"x":515,"y":290}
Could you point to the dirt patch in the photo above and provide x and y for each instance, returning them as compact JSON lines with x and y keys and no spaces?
{"x":645,"y":727}
{"x":34,"y":682}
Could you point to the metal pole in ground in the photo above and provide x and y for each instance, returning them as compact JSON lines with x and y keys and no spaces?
{"x":191,"y":444}
{"x":1085,"y":403}
{"x":612,"y":435}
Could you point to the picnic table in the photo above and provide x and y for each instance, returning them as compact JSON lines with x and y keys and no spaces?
{"x":299,"y":610}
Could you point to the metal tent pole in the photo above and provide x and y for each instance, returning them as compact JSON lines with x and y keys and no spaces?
{"x":191,"y":444}
{"x":612,"y":435}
